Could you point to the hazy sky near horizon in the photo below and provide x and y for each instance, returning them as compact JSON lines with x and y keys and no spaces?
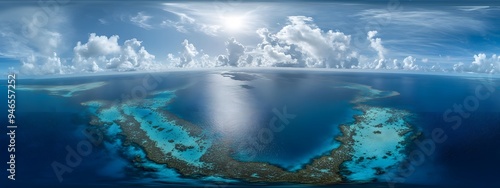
{"x":64,"y":37}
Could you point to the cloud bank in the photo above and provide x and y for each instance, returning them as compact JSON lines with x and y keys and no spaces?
{"x":99,"y":53}
{"x":481,"y":64}
{"x":299,"y":43}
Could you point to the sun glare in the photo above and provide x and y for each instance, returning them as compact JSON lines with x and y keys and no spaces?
{"x":233,"y":23}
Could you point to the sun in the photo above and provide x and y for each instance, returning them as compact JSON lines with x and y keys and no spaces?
{"x":233,"y":23}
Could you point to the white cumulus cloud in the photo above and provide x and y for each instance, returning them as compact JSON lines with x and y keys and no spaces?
{"x":376,"y":44}
{"x":272,"y":52}
{"x":43,"y":65}
{"x":102,"y":53}
{"x":481,"y":64}
{"x":235,"y":50}
{"x":318,"y":48}
{"x":409,"y":63}
{"x":190,"y":57}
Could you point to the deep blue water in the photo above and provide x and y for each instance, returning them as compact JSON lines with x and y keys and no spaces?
{"x":317,"y":112}
{"x":469,"y":157}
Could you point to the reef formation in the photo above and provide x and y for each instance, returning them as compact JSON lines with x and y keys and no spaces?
{"x":369,"y":147}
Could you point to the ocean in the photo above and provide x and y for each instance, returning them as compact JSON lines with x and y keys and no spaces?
{"x":237,"y":107}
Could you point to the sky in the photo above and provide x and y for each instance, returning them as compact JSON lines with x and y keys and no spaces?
{"x":51,"y":37}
